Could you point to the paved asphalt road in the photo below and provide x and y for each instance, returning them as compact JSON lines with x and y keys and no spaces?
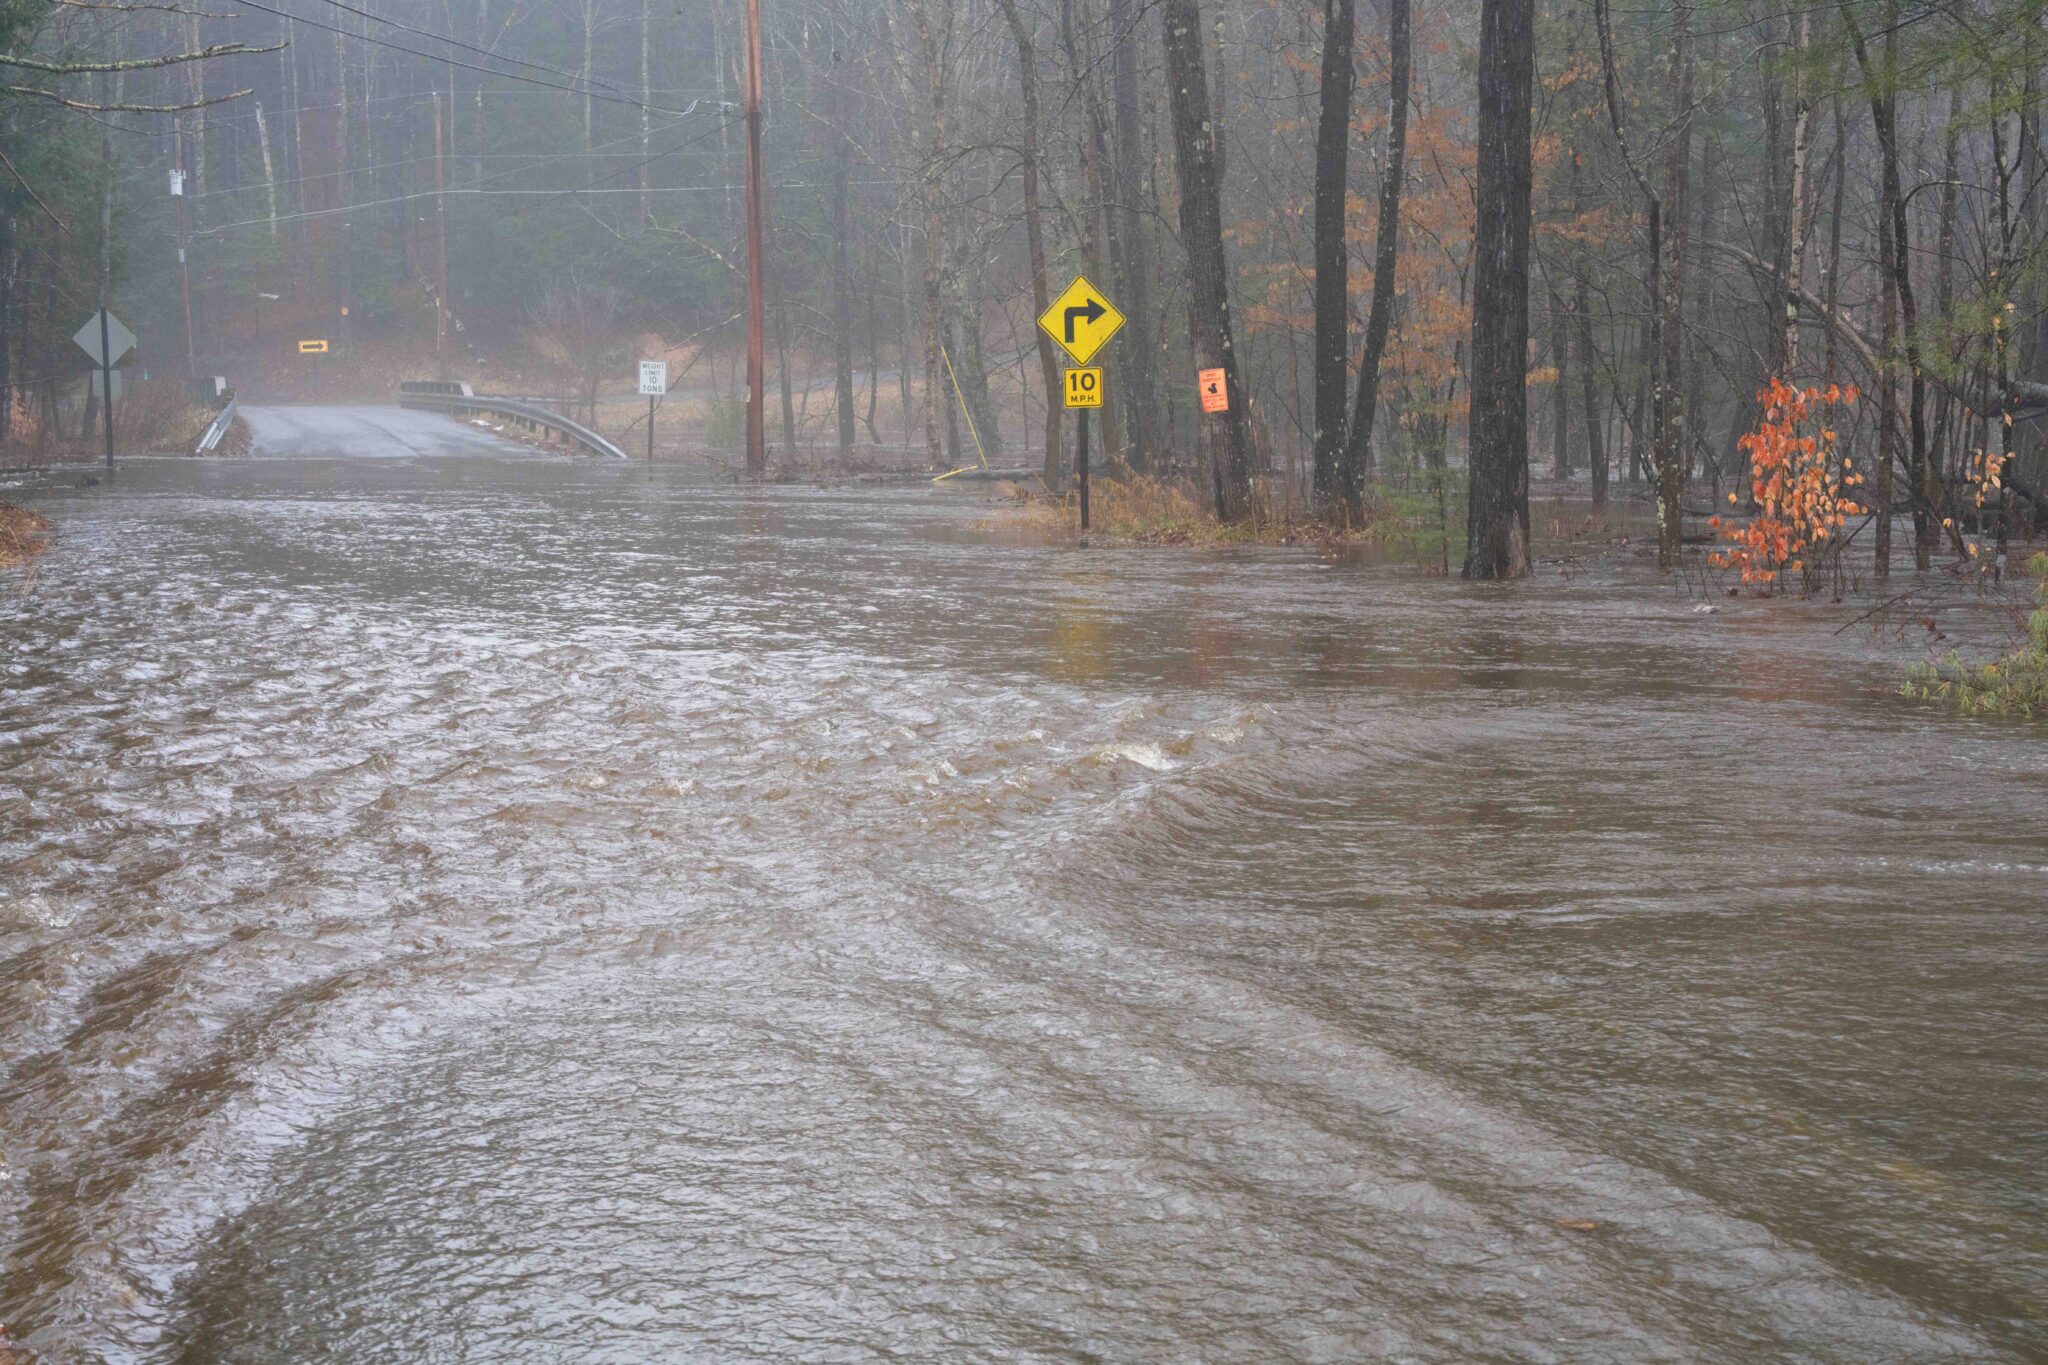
{"x":371,"y":432}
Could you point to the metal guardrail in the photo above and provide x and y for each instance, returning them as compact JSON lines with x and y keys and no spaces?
{"x":455,"y":399}
{"x":216,"y":429}
{"x":447,"y":388}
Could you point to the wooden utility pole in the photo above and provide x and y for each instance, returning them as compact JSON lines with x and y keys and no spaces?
{"x":440,"y":252}
{"x":757,"y":430}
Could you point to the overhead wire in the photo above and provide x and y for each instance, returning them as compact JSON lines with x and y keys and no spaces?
{"x":477,"y":190}
{"x":585,"y":91}
{"x":467,"y":47}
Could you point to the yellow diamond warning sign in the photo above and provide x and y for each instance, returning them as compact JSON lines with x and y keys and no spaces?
{"x":1081,"y":320}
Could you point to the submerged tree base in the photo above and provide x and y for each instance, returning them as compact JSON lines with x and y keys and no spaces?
{"x":21,"y":535}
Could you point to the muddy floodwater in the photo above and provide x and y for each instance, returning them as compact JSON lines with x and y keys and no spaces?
{"x":519,"y":909}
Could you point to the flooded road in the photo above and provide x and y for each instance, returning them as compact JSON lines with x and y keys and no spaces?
{"x":521,"y":909}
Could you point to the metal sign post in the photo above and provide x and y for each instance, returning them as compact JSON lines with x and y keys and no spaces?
{"x":107,"y":387}
{"x":106,"y":340}
{"x":653,"y":383}
{"x":1083,"y":392}
{"x":1082,"y":320}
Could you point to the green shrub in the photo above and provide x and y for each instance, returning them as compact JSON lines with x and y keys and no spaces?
{"x":2016,"y":685}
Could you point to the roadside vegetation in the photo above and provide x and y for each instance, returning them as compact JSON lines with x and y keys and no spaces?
{"x":22,"y":535}
{"x":2015,"y":685}
{"x":151,"y":416}
{"x":1124,"y":505}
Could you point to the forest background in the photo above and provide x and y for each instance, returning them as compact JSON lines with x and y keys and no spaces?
{"x":1843,"y":197}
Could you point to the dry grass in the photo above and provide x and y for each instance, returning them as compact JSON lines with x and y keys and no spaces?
{"x":237,"y":443}
{"x":158,"y":415}
{"x":21,"y":535}
{"x":1128,"y":506}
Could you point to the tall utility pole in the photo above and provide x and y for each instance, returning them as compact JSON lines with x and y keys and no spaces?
{"x":757,"y":428}
{"x":440,"y":252}
{"x":184,"y":245}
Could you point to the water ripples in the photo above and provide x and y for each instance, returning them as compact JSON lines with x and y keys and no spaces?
{"x":460,"y":911}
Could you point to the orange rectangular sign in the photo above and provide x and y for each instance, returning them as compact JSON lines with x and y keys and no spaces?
{"x":1215,"y":392}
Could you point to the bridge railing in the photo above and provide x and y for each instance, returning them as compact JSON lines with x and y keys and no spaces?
{"x":216,"y":429}
{"x":456,"y":399}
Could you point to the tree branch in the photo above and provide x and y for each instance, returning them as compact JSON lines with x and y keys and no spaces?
{"x":16,"y":173}
{"x":85,"y":108}
{"x":137,"y":64}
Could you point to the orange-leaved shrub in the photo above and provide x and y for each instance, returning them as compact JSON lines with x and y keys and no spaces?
{"x":1801,"y":483}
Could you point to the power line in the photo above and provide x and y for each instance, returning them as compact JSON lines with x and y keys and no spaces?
{"x":574,"y":193}
{"x":588,"y":187}
{"x":217,"y":123}
{"x":532,"y":159}
{"x":468,"y":47}
{"x":467,"y":66}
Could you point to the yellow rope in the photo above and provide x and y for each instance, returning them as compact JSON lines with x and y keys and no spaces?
{"x":963,"y":409}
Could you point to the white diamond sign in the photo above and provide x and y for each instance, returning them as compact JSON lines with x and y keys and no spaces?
{"x":119,"y":339}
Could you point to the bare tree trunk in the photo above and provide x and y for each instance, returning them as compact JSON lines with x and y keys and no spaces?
{"x":1795,"y":209}
{"x":842,"y":284}
{"x":589,"y":54}
{"x":1497,"y":508}
{"x":911,"y":314}
{"x":1888,"y":400}
{"x":1831,"y":289}
{"x":1103,"y":238}
{"x":1139,"y":367}
{"x":930,"y":52}
{"x":874,"y":329}
{"x":196,"y":74}
{"x":1225,"y":448}
{"x":1944,"y":266}
{"x":10,"y":268}
{"x":1379,"y":320}
{"x":1100,"y":229}
{"x":290,"y":58}
{"x":1880,"y":87}
{"x":1703,"y":307}
{"x":1670,"y":461}
{"x":269,"y":172}
{"x":781,"y":310}
{"x":103,"y":281}
{"x":1596,"y":421}
{"x":1034,"y":239}
{"x":1333,"y":260}
{"x":1561,"y":390}
{"x":968,"y":373}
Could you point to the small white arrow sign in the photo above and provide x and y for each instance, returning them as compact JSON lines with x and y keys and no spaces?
{"x":119,"y":339}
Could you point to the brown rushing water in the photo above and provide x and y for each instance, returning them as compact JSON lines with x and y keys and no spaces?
{"x":517,"y":909}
